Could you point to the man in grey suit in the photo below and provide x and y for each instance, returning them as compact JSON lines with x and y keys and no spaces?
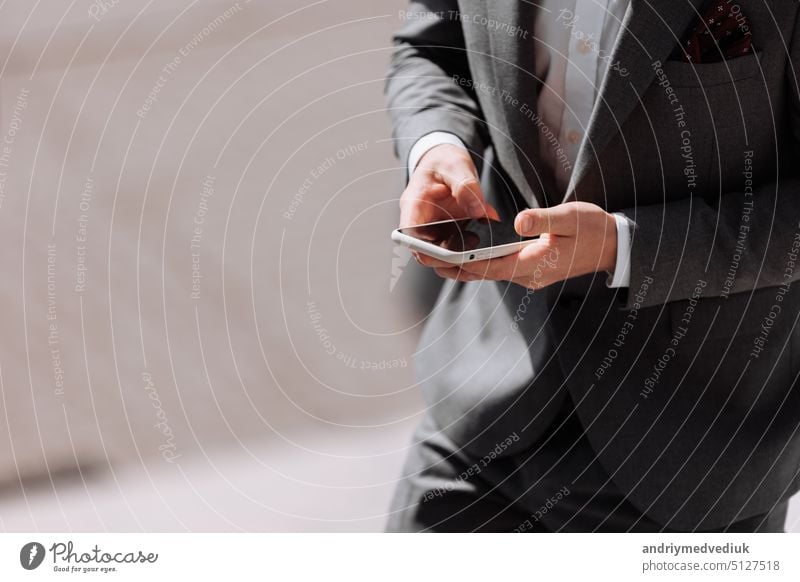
{"x":635,"y":369}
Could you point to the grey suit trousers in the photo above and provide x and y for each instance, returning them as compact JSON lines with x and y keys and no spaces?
{"x":557,"y":485}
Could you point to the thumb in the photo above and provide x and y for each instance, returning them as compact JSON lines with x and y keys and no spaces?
{"x":559,"y":220}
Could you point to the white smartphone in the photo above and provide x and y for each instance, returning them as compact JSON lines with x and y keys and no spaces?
{"x":463,"y":240}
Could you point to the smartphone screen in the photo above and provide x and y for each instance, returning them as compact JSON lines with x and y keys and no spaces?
{"x":467,"y":234}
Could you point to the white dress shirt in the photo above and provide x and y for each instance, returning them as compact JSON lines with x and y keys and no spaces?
{"x":574,"y":42}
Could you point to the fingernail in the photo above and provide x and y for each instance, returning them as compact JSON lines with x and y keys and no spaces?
{"x":525,"y":224}
{"x":475,"y":209}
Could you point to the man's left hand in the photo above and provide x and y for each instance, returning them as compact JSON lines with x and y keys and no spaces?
{"x":575,"y":238}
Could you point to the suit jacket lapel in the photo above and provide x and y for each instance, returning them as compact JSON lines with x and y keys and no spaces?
{"x":649,"y":33}
{"x":512,"y":62}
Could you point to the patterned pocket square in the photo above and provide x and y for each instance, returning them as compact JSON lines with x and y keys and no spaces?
{"x":723,"y":32}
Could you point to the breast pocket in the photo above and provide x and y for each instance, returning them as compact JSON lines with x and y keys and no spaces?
{"x":707,"y":75}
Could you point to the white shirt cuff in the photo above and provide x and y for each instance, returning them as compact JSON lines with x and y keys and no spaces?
{"x":429,"y":141}
{"x":621,"y":277}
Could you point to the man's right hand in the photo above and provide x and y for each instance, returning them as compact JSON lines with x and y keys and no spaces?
{"x":443,"y":186}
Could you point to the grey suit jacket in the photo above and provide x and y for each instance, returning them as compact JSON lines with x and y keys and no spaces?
{"x":687,"y":381}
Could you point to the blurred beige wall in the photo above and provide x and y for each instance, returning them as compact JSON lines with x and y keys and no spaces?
{"x":158,"y":262}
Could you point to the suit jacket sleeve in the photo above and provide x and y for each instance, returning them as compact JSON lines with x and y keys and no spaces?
{"x":677,"y":245}
{"x":428,"y":85}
